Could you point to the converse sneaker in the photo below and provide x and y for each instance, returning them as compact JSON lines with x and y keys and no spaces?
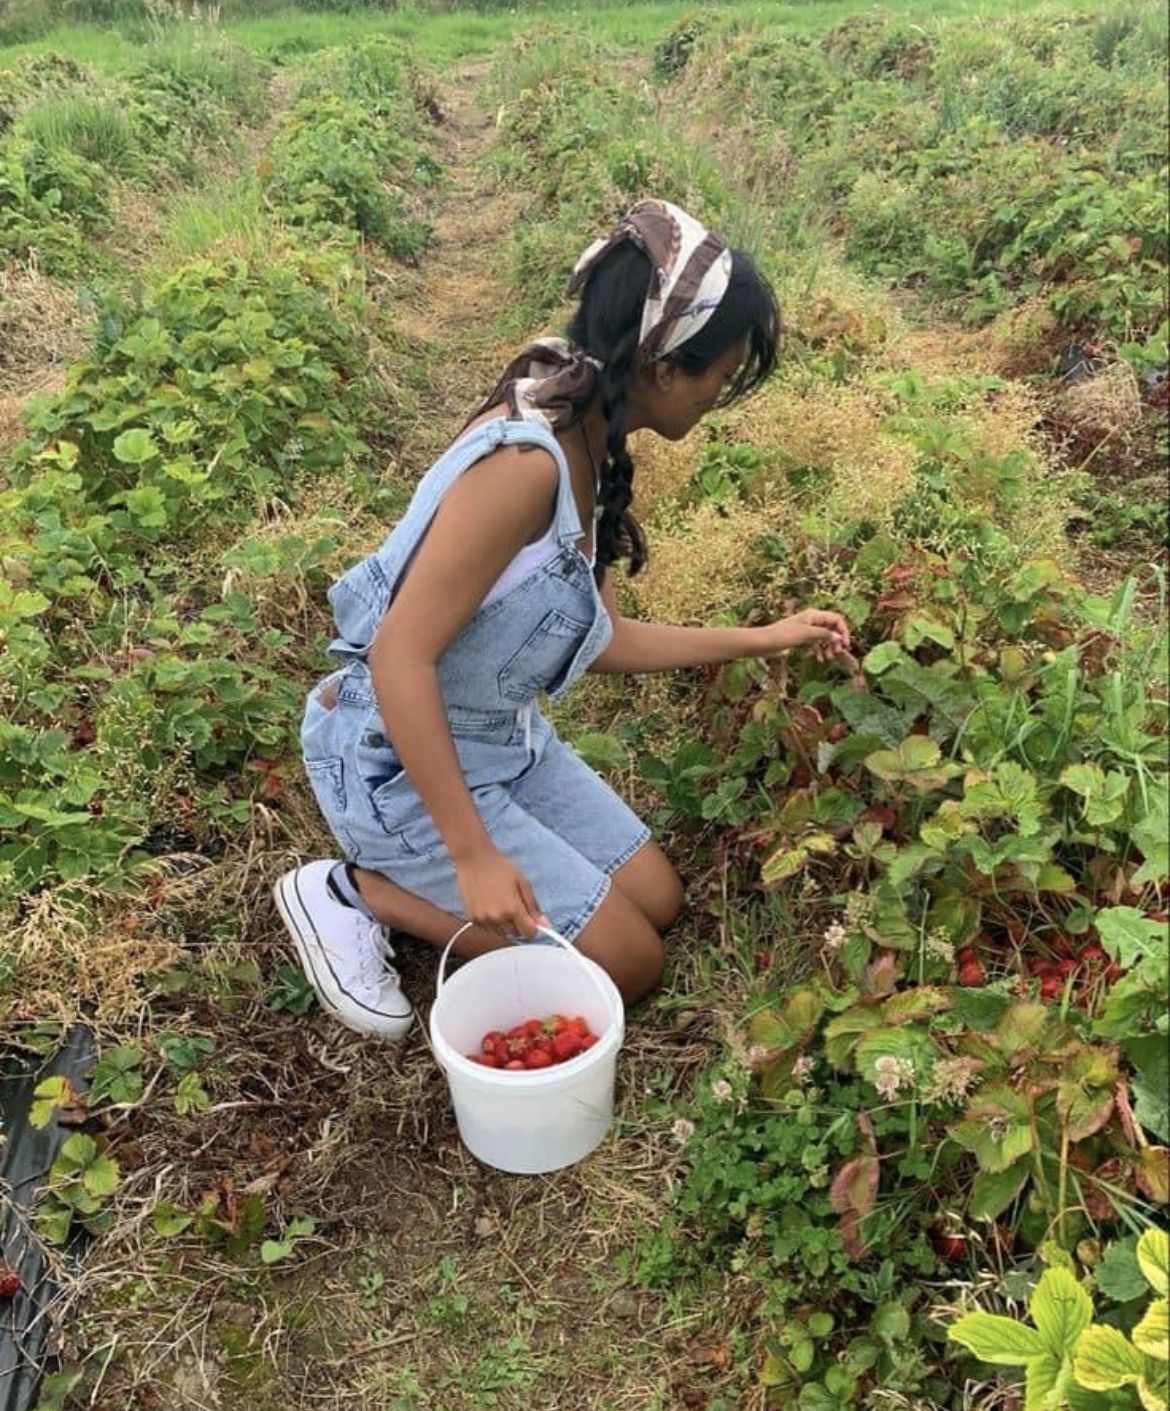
{"x":344,"y":954}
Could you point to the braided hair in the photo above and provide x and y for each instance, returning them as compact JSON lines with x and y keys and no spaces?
{"x":607,"y":325}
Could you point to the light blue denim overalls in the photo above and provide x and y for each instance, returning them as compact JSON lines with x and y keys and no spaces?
{"x":543,"y":807}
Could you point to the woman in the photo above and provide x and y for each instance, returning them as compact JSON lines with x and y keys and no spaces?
{"x":448,"y":791}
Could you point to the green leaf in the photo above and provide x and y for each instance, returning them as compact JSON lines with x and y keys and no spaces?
{"x":1043,"y":1382}
{"x":882,"y":657}
{"x":601,"y":751}
{"x":1061,"y":1310}
{"x":1152,"y":1334}
{"x":1128,"y":935}
{"x":135,"y":447}
{"x":788,"y":1024}
{"x":1084,"y":1095}
{"x":997,"y":1128}
{"x":993,"y":1191}
{"x":1021,"y":1027}
{"x":101,"y":1176}
{"x":1150,"y":1082}
{"x":917,"y":761}
{"x":1105,"y":1359}
{"x":891,"y":1322}
{"x":148,"y":506}
{"x":1000,"y":1341}
{"x":169,"y":1220}
{"x":1118,"y":1275}
{"x":1153,"y":1256}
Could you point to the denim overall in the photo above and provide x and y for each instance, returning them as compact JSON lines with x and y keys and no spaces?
{"x":541,"y":804}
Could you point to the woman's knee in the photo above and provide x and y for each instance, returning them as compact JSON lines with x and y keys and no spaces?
{"x":650,"y":881}
{"x":621,"y":939}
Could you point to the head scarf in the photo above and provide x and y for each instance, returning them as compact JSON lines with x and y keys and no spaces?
{"x":690,"y":269}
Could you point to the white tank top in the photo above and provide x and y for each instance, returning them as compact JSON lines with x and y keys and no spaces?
{"x":532,"y":557}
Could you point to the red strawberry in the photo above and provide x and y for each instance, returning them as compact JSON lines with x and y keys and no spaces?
{"x":10,"y":1282}
{"x":517,"y":1031}
{"x":1051,"y":987}
{"x":493,"y":1041}
{"x":578,"y":1026}
{"x":555,"y":1023}
{"x":972,"y":974}
{"x":1065,"y":967}
{"x":588,"y":1041}
{"x":488,"y":1060}
{"x":514,"y":1063}
{"x":539,"y":1058}
{"x":950,"y":1247}
{"x":566,"y":1045}
{"x":518,"y":1047}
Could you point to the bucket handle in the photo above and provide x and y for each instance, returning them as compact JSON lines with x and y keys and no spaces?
{"x":606,"y":998}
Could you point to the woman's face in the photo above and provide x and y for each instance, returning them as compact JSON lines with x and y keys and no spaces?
{"x":670,"y":401}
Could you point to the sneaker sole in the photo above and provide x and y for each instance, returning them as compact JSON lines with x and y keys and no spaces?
{"x":315,"y":963}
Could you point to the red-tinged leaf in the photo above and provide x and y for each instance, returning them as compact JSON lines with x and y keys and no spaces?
{"x":1153,"y":1173}
{"x":853,"y":1193}
{"x":881,"y":975}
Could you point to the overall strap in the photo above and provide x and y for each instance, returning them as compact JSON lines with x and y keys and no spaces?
{"x":480,"y":441}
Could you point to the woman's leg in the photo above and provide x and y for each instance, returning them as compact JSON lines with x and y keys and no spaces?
{"x":649,"y":880}
{"x":618,"y":936}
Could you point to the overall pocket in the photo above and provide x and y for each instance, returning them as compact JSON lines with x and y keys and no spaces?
{"x":327,"y":780}
{"x":543,"y":658}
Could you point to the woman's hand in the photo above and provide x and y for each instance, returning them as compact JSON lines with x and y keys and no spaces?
{"x":497,"y":895}
{"x":826,"y":633}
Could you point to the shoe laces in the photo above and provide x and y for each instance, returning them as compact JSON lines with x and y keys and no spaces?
{"x":375,"y":954}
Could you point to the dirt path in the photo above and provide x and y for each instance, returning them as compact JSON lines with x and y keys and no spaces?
{"x":452,"y":305}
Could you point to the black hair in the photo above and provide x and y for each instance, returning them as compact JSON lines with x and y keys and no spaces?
{"x":607,"y":325}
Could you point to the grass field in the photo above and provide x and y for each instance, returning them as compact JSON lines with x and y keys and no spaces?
{"x":907,"y":1066}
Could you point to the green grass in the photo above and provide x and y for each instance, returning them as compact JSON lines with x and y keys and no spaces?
{"x":465,"y":34}
{"x":90,"y":127}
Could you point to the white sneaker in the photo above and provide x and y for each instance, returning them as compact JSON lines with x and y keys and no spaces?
{"x":344,"y":954}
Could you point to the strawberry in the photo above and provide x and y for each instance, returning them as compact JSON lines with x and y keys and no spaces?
{"x":566,"y":1045}
{"x":10,"y":1282}
{"x":517,"y":1031}
{"x":539,"y":1058}
{"x":488,"y":1060}
{"x":972,"y":974}
{"x":493,"y":1041}
{"x":515,"y":1064}
{"x":1065,"y":967}
{"x":1051,"y":987}
{"x":950,"y":1247}
{"x":578,"y":1026}
{"x":555,"y":1023}
{"x":588,"y":1041}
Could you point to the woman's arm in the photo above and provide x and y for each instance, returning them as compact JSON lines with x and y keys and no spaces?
{"x":653,"y":646}
{"x":495,"y":507}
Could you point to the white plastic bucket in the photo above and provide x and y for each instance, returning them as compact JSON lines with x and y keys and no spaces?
{"x":543,"y":1119}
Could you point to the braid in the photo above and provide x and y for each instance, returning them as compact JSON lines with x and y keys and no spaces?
{"x":619,"y":535}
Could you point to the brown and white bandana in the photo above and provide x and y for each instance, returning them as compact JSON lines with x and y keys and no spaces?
{"x":690,"y":269}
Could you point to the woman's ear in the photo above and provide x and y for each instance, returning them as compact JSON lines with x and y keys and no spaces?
{"x":662,"y":373}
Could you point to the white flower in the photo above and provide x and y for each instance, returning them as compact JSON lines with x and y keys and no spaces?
{"x":835,"y":937}
{"x":756,"y":1055}
{"x":721,"y":1090}
{"x":952,"y":1079}
{"x":683,"y":1129}
{"x":892,"y":1074}
{"x":802,"y":1068}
